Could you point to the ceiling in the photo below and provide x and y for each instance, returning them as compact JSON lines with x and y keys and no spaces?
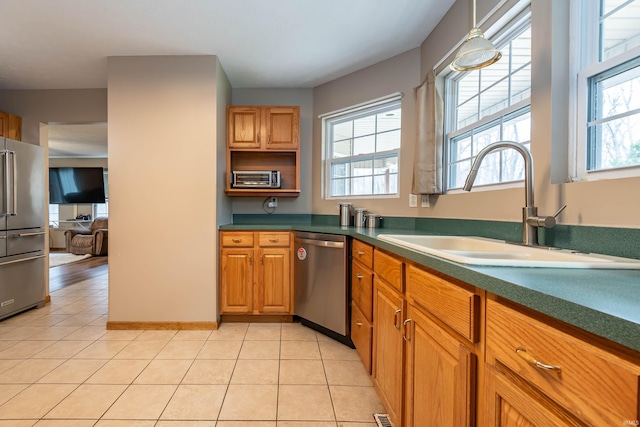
{"x":65,"y":44}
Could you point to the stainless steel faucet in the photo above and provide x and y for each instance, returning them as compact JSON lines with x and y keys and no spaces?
{"x":530,"y":219}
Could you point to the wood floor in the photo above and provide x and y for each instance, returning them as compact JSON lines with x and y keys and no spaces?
{"x":68,"y":274}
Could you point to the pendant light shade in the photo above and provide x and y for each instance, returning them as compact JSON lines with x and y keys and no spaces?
{"x":476,"y":51}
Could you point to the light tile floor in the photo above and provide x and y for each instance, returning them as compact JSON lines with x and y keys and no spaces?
{"x":59,"y":366}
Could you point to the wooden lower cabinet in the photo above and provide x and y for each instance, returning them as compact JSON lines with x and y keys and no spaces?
{"x":236,"y":290}
{"x":255,"y":279}
{"x":274,"y":282}
{"x":440,"y":375}
{"x":507,"y":405}
{"x":388,"y":348}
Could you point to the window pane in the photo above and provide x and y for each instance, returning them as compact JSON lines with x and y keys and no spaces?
{"x":468,"y":113}
{"x":521,"y":49}
{"x":339,"y":170}
{"x":362,"y":168}
{"x":496,"y":72}
{"x":620,"y":31}
{"x":521,"y":84}
{"x":389,"y":120}
{"x":518,"y":129}
{"x":485,"y":137}
{"x":388,"y":141}
{"x":468,"y":86}
{"x":458,"y":173}
{"x":385,"y":164}
{"x":342,"y":149}
{"x":385,"y":184}
{"x":364,"y":126}
{"x":342,"y":131}
{"x":617,"y":94}
{"x":364,"y":145}
{"x":489,"y":172}
{"x":339,"y":187}
{"x":512,"y":166}
{"x":361,"y":186}
{"x":494,"y":99}
{"x":460,"y":149}
{"x":616,"y":143}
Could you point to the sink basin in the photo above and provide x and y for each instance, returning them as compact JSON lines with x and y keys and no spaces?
{"x":490,"y":252}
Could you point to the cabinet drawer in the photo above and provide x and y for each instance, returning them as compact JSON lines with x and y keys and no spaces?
{"x":598,"y":387}
{"x":457,"y":307}
{"x":361,"y":335}
{"x":363,"y":253}
{"x":389,"y":269}
{"x":237,"y":239}
{"x":275,"y":238}
{"x":362,"y":289}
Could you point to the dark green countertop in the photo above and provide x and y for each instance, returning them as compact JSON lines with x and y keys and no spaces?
{"x":603,"y":302}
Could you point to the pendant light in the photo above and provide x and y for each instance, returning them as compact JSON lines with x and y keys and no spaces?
{"x":476,"y":52}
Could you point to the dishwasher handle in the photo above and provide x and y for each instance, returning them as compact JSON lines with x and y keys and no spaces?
{"x":321,"y":243}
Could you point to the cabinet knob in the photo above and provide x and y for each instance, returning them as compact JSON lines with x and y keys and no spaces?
{"x":359,"y":276}
{"x":358,"y":323}
{"x":274,"y":240}
{"x":236,"y":240}
{"x":360,"y":253}
{"x":522,"y":352}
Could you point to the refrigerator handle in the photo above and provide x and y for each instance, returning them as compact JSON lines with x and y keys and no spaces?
{"x":14,"y":209}
{"x":4,"y":209}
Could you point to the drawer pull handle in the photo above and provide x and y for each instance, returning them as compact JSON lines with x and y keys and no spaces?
{"x":358,"y":323}
{"x":236,"y":240}
{"x":405,"y":336}
{"x":276,"y":240}
{"x":522,"y":352}
{"x":360,"y":253}
{"x":359,"y":276}
{"x":395,"y":319}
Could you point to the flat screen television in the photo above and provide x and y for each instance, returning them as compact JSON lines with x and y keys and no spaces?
{"x":76,"y":185}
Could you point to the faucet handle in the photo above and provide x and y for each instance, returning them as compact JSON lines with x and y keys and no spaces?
{"x":559,"y":210}
{"x":545,"y":221}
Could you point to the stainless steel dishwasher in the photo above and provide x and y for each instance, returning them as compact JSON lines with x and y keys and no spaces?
{"x":321,"y":283}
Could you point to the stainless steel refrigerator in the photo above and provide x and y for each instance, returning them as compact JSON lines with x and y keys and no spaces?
{"x":22,"y":232}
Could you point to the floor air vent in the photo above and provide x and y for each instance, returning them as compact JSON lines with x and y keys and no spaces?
{"x":382,"y":420}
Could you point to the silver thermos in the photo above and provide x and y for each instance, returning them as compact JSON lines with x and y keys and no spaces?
{"x":345,"y":214}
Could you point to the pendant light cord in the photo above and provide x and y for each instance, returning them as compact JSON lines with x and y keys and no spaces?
{"x":474,"y":14}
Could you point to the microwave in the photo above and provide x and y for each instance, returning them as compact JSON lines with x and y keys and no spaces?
{"x":255,"y":179}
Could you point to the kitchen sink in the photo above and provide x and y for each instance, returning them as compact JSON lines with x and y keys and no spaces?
{"x":491,"y":252}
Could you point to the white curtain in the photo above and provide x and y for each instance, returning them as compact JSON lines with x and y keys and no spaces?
{"x":427,"y":167}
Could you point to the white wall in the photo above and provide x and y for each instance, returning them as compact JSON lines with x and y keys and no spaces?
{"x":162,"y":163}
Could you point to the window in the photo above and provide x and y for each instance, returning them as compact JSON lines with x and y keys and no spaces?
{"x":608,"y":106}
{"x":489,"y":105}
{"x":54,"y":215}
{"x":362,"y":150}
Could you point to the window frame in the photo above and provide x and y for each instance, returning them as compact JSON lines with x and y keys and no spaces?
{"x":366,"y":109}
{"x":503,"y":35}
{"x":587,"y":67}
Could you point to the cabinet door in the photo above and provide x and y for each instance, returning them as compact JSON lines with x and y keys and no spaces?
{"x":243,"y":127}
{"x":14,"y":128}
{"x":510,"y":406}
{"x":282,"y":128}
{"x":273,"y":284}
{"x":4,"y":123}
{"x":236,"y":281}
{"x":388,"y":349}
{"x":440,"y":382}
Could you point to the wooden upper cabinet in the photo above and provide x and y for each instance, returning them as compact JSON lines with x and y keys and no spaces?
{"x":282,"y":128}
{"x":263,"y":128}
{"x":243,"y":127}
{"x":10,"y":126}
